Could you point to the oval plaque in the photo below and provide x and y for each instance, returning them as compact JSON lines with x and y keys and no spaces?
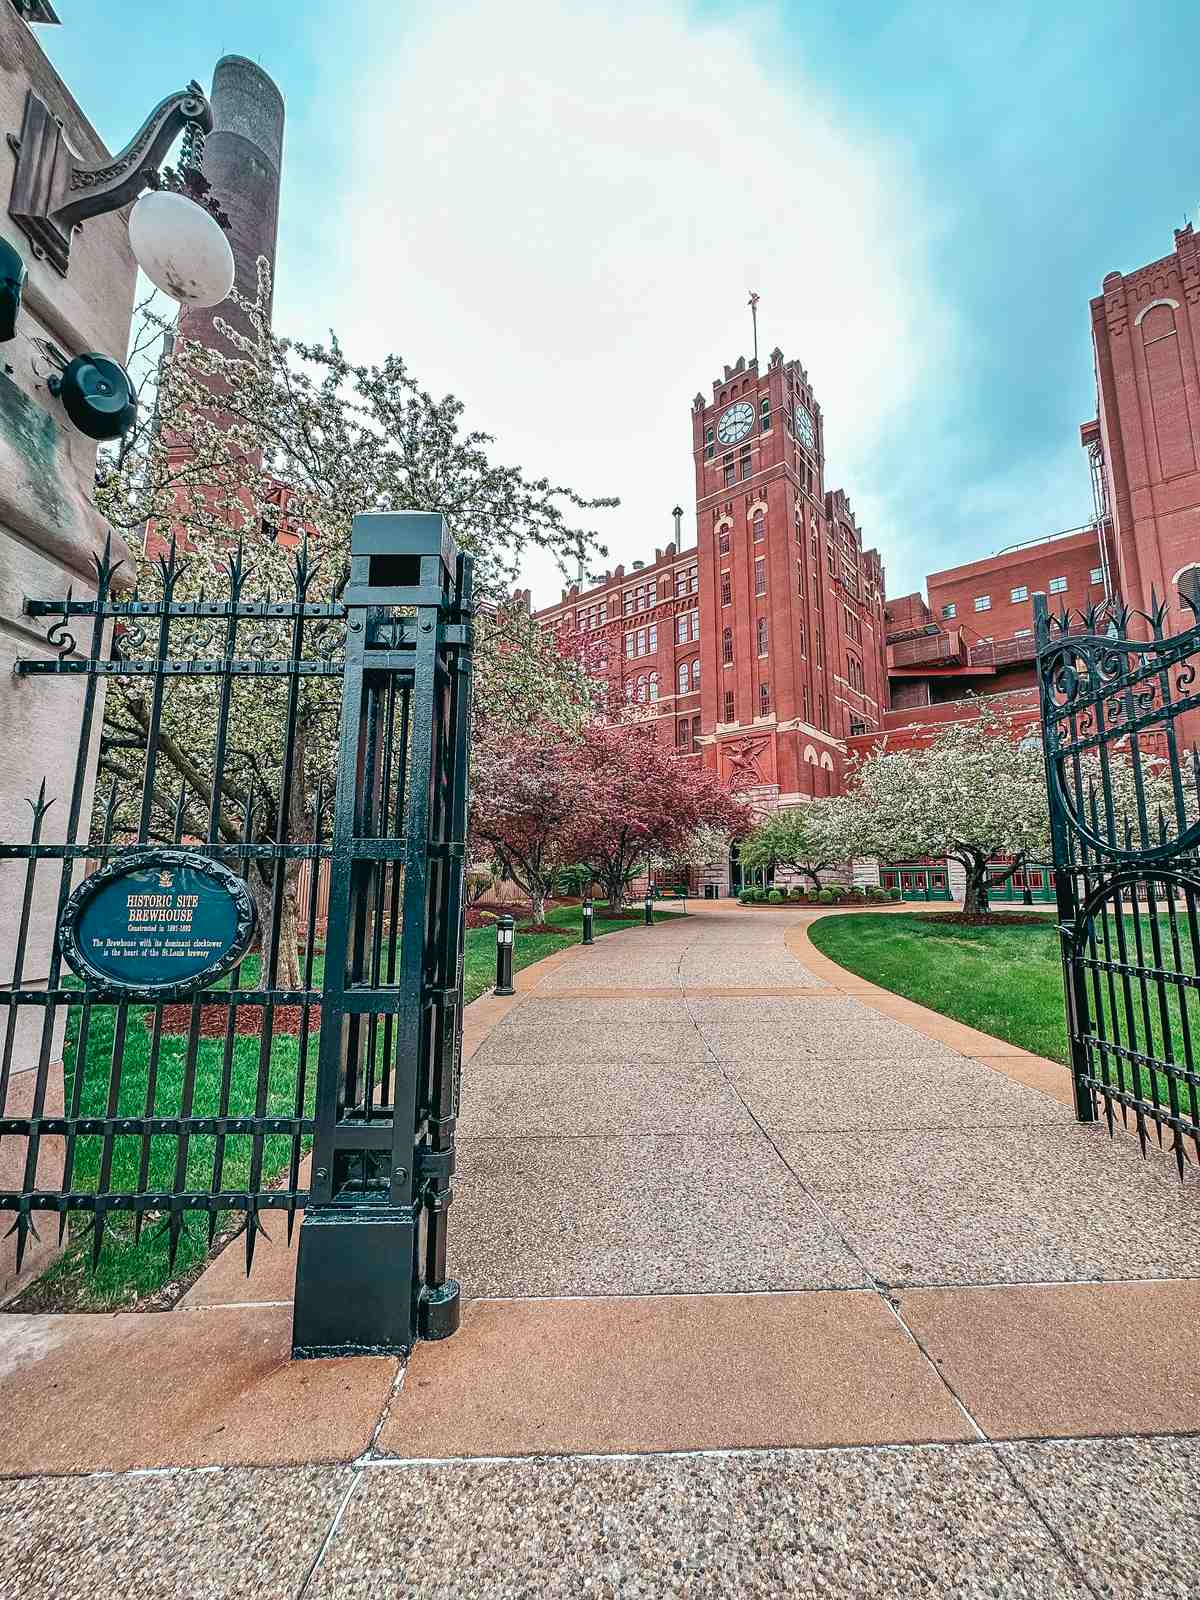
{"x":158,"y":923}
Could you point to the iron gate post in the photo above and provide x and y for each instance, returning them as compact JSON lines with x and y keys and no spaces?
{"x":371,"y":1273}
{"x":588,"y":914}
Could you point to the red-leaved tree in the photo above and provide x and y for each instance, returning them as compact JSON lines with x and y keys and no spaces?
{"x":524,"y":805}
{"x":637,"y":799}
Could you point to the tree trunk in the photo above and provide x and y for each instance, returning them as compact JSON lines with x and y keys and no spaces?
{"x":287,"y":967}
{"x":615,"y":887}
{"x":537,"y":900}
{"x":808,"y":872}
{"x":975,"y":899}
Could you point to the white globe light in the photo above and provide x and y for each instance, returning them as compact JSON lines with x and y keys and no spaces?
{"x":181,"y":248}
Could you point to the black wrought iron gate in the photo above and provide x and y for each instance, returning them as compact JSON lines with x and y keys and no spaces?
{"x":234,"y":738}
{"x":1120,"y":717}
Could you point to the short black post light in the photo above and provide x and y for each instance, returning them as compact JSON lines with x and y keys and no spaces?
{"x":1027,"y":892}
{"x":588,"y":911}
{"x":504,"y":955}
{"x":649,"y":909}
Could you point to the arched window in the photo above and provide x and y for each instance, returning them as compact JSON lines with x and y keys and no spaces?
{"x":654,"y":686}
{"x":727,"y":647}
{"x":759,"y":524}
{"x":683,"y":677}
{"x":641,"y":689}
{"x":696,"y":673}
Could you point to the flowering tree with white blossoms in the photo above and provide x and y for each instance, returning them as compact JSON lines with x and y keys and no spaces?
{"x":974,"y":791}
{"x":264,"y":437}
{"x":804,"y":838}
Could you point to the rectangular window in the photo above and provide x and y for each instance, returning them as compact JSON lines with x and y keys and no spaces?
{"x":746,"y":469}
{"x":764,"y":411}
{"x":800,"y":636}
{"x":729,"y":705}
{"x":629,"y":643}
{"x":807,"y":705}
{"x":762,"y":636}
{"x":857,"y":726}
{"x":693,"y":580}
{"x":1096,"y":575}
{"x":726,"y":589}
{"x":983,"y":602}
{"x":603,"y":614}
{"x":680,"y":583}
{"x":821,"y":711}
{"x":730,"y":473}
{"x":760,"y":576}
{"x":695,"y":733}
{"x":683,"y":736}
{"x":800,"y":581}
{"x":1023,"y":633}
{"x":1021,"y":592}
{"x":723,"y":542}
{"x":627,"y":602}
{"x":652,"y":637}
{"x":1057,"y":585}
{"x":829,"y":558}
{"x":641,"y":641}
{"x":727,"y":647}
{"x":949,"y":612}
{"x":681,"y":628}
{"x":708,"y":443}
{"x":759,"y":525}
{"x":817,"y":644}
{"x":764,"y":699}
{"x":695,"y":616}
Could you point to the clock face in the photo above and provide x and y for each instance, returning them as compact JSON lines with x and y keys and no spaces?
{"x":735,"y":423}
{"x":805,"y":427}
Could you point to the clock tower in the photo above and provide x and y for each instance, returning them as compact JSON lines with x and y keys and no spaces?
{"x":792,"y":647}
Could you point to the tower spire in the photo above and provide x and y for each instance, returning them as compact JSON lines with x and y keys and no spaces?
{"x":753,"y":304}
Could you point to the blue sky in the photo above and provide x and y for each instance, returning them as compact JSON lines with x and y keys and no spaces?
{"x":556,"y":210}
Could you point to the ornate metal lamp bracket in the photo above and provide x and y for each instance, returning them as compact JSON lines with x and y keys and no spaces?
{"x":53,"y":191}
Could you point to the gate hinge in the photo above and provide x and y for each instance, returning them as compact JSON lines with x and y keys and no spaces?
{"x":436,"y":1166}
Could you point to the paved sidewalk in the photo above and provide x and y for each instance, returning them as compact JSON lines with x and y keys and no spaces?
{"x":777,"y":1284}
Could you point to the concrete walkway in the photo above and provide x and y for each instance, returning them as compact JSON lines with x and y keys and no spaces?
{"x":778,"y":1284}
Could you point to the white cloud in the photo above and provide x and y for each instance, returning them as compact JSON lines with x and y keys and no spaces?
{"x":553,"y":213}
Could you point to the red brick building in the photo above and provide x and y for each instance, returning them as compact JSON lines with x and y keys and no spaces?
{"x":974,"y":635}
{"x":761,"y":647}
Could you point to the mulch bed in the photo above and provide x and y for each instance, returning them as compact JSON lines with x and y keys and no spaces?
{"x":988,"y":919}
{"x":178,"y":1019}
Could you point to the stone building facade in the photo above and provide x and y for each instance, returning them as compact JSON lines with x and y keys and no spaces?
{"x":49,"y":532}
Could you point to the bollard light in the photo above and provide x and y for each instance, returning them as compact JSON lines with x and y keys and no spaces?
{"x":588,"y":937}
{"x":649,"y":908}
{"x":504,"y":955}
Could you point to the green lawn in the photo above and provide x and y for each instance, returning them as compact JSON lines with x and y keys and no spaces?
{"x":132,"y":1267}
{"x":1005,"y":981}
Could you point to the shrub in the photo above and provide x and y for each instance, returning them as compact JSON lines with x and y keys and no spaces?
{"x":775,"y":897}
{"x":797,"y":893}
{"x":826,"y":896}
{"x":746,"y":897}
{"x":875,"y":892}
{"x":855,"y":893}
{"x":893,"y":894}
